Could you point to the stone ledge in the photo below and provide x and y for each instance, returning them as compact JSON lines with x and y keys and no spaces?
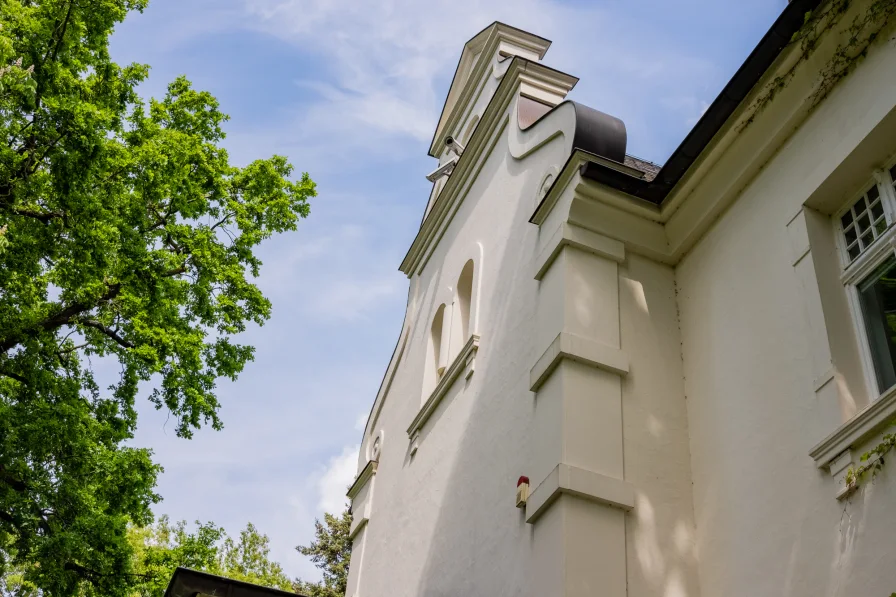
{"x":574,"y":236}
{"x":358,"y":523}
{"x":581,"y":350}
{"x":582,"y":483}
{"x":366,"y":473}
{"x":466,"y":357}
{"x":852,"y":433}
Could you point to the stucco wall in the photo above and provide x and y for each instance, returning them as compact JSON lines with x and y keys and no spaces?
{"x":443,"y":521}
{"x":767,"y":521}
{"x":660,"y":534}
{"x":720,"y":403}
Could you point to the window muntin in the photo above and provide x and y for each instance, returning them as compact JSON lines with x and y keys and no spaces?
{"x":877,"y":297}
{"x":863,"y":222}
{"x":867,"y":239}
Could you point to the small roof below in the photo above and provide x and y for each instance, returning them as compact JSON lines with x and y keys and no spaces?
{"x":648,"y":169}
{"x":192,"y":583}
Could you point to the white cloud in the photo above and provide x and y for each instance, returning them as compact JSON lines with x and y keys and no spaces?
{"x":361,"y":422}
{"x":336,"y":479}
{"x":386,"y":71}
{"x":350,"y":300}
{"x":383,"y":71}
{"x":335,"y":273}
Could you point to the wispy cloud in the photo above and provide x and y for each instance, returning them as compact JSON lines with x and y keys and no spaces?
{"x":336,"y":479}
{"x":386,"y":69}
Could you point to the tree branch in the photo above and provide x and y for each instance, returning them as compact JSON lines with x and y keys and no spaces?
{"x":67,"y":315}
{"x":15,"y":376}
{"x":43,"y":216}
{"x":58,"y":44}
{"x":12,"y":482}
{"x":63,"y":317}
{"x":224,"y":220}
{"x":92,"y":323}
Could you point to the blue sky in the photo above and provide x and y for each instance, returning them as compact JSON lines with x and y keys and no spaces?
{"x":350,"y":91}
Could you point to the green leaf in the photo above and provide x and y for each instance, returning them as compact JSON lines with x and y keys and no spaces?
{"x":128,"y":237}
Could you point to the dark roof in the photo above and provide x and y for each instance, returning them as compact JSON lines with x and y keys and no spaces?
{"x":190,"y":583}
{"x":654,"y":187}
{"x":648,"y":169}
{"x":599,"y":133}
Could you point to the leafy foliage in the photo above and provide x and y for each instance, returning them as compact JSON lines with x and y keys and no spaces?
{"x":331,"y":551}
{"x":872,"y":461}
{"x":125,"y":236}
{"x":864,"y":30}
{"x":161,"y":548}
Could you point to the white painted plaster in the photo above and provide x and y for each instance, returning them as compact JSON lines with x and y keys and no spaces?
{"x":737,"y":362}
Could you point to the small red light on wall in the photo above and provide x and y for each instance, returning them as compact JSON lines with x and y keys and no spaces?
{"x":522,"y":491}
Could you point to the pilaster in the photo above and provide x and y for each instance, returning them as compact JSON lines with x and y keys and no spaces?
{"x":580,"y":497}
{"x":361,"y":496}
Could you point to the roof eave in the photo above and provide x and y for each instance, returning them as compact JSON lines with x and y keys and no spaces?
{"x":754,"y":68}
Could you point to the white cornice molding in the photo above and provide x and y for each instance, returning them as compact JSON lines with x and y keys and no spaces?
{"x":867,"y":422}
{"x":358,"y":523}
{"x":578,"y":349}
{"x":493,"y":122}
{"x":467,"y":353}
{"x":571,"y":235}
{"x":582,"y":483}
{"x":737,"y":154}
{"x":364,"y":476}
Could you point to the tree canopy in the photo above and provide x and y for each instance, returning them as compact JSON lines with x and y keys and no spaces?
{"x":158,"y":549}
{"x":161,"y":548}
{"x":127,"y":236}
{"x":331,"y":552}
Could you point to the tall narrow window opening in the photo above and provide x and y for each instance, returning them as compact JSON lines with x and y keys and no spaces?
{"x":436,"y":342}
{"x":464,"y":295}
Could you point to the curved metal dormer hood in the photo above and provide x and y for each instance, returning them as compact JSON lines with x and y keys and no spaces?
{"x":586,"y":129}
{"x":599,"y":133}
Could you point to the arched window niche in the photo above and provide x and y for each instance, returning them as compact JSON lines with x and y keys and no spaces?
{"x":437,"y":359}
{"x":453,"y":339}
{"x":460,"y":332}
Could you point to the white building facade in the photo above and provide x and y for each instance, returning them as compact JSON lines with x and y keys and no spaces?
{"x":683,"y":360}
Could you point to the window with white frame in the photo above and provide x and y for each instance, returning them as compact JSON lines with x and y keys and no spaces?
{"x":863,"y":222}
{"x":868,"y":251}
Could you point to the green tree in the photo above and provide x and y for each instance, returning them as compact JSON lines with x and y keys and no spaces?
{"x":331,"y":551}
{"x":160,"y":548}
{"x":13,"y":584}
{"x":125,"y":236}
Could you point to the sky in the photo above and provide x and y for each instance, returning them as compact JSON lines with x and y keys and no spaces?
{"x":350,"y":91}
